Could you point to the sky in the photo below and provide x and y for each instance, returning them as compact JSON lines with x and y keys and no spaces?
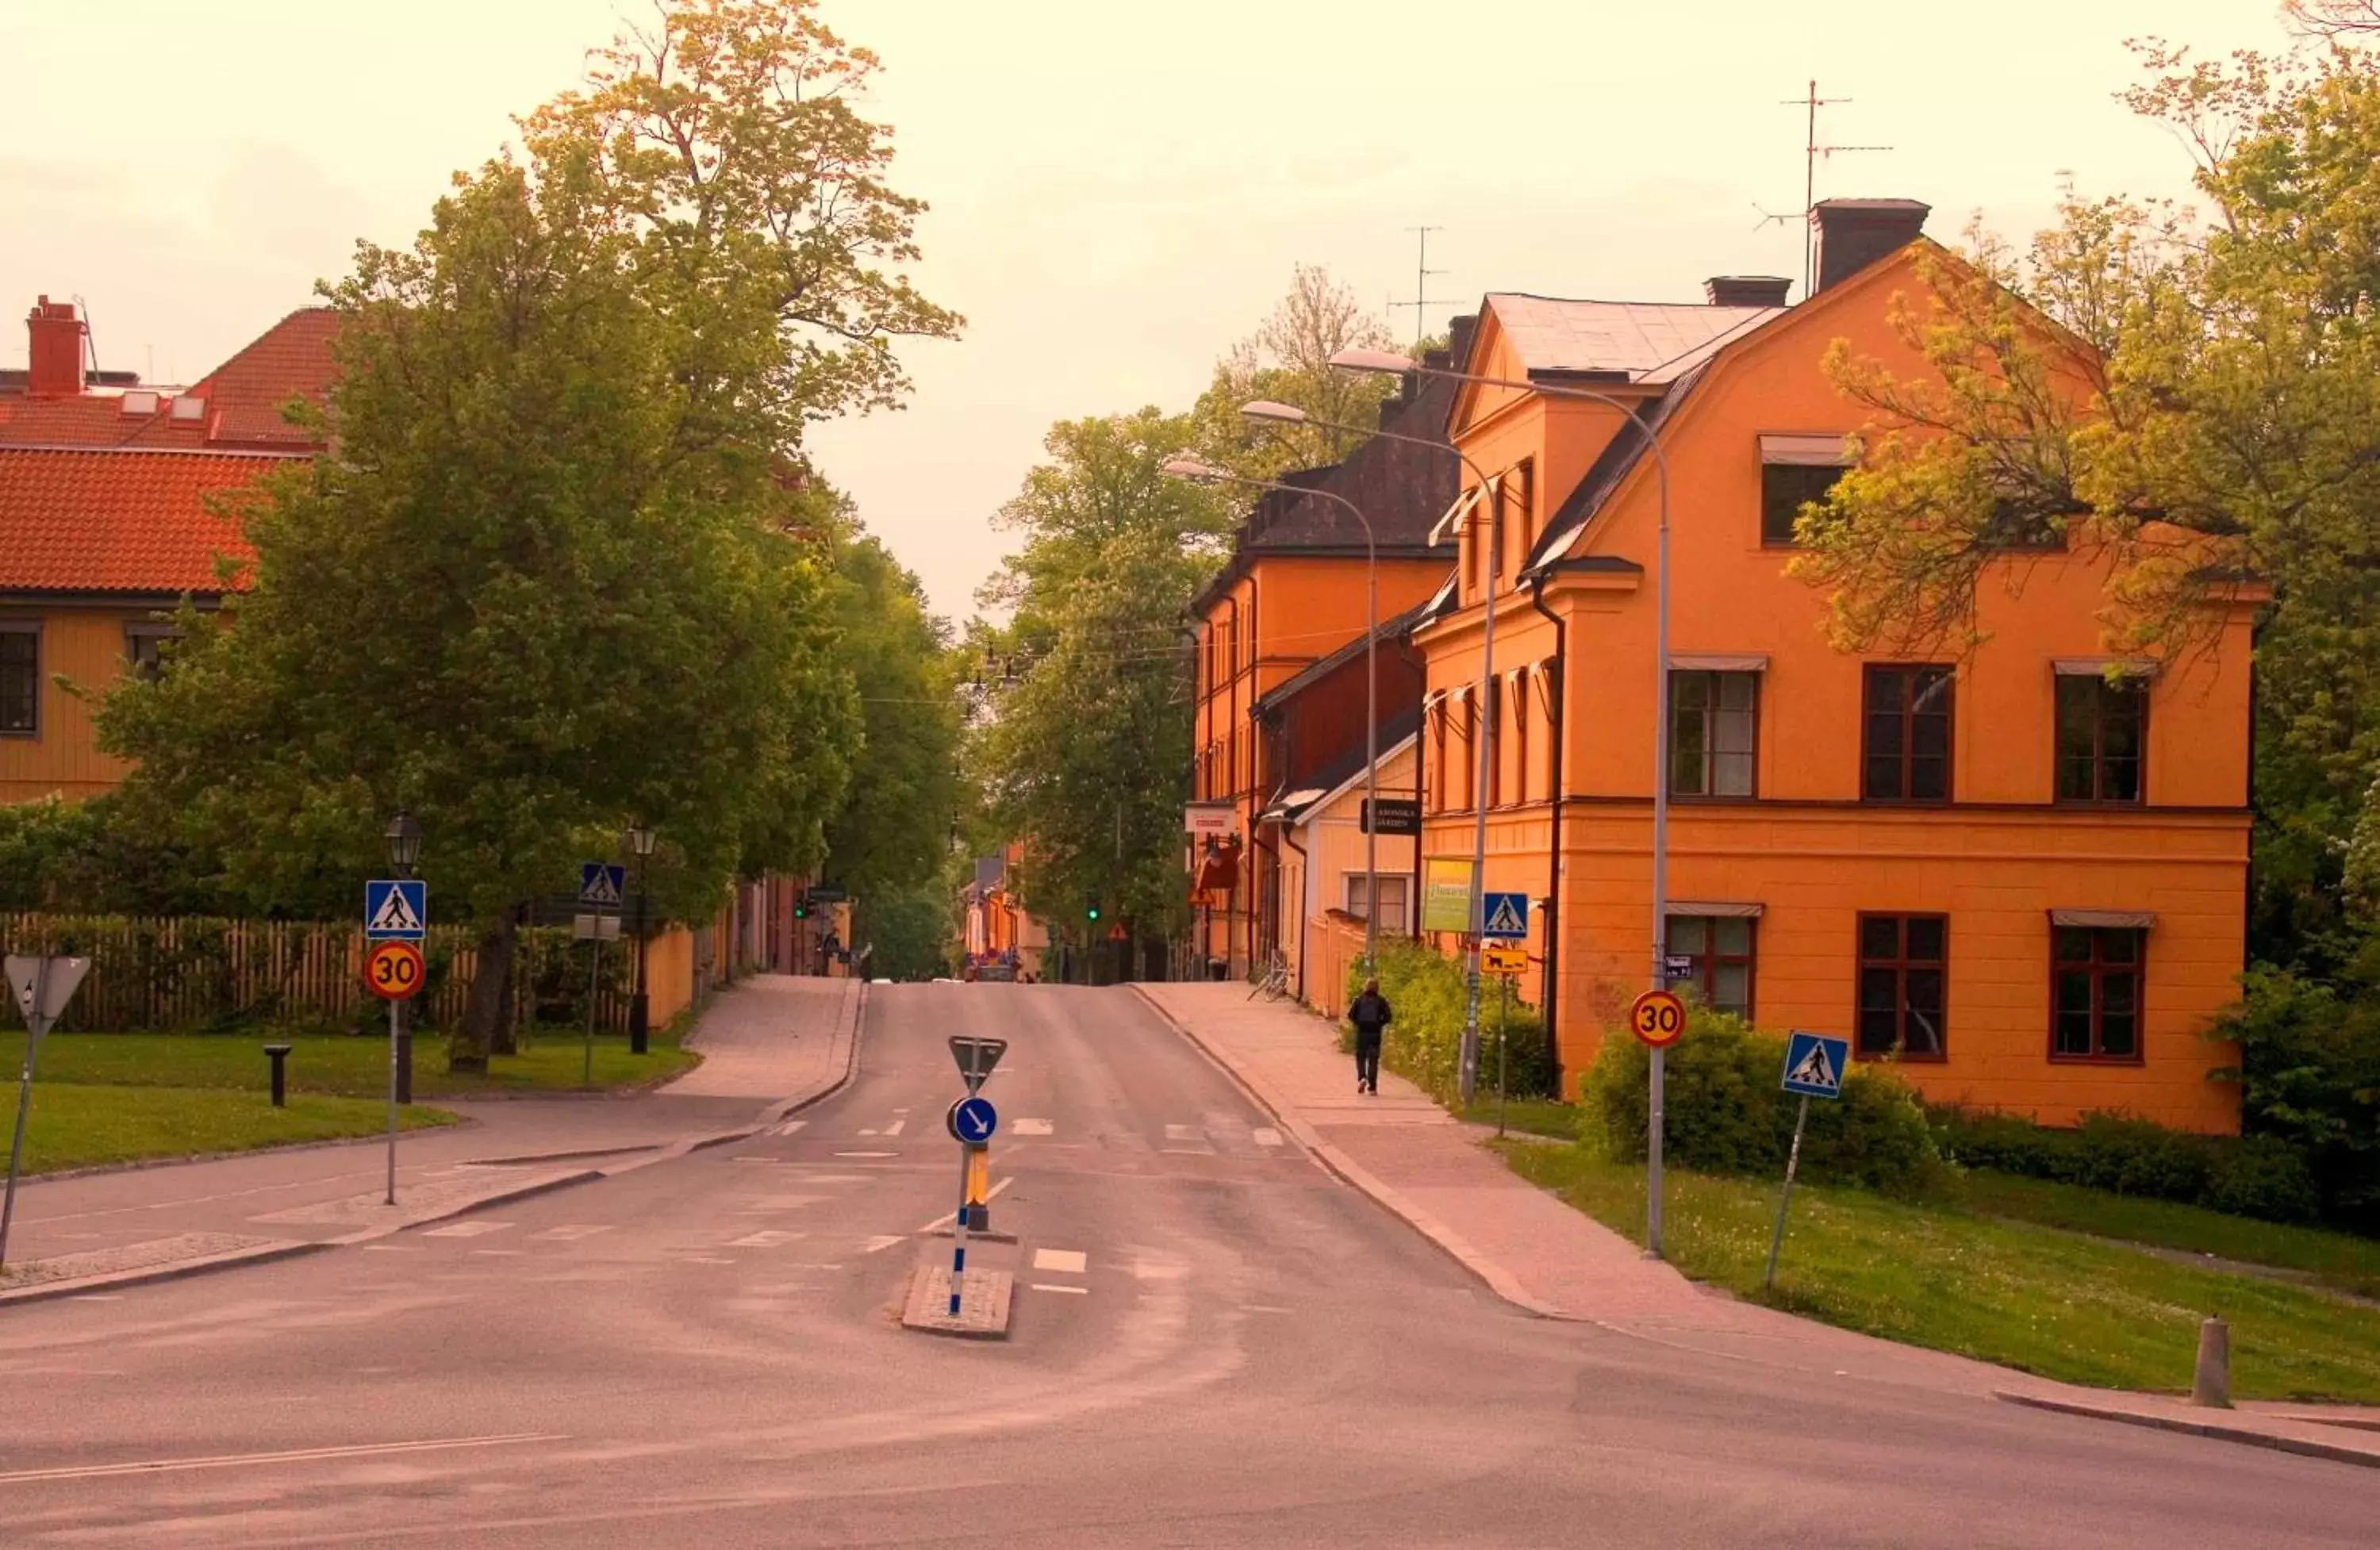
{"x":1119,"y":188}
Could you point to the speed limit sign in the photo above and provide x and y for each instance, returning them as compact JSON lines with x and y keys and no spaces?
{"x":393,"y":969}
{"x":1658,"y":1018}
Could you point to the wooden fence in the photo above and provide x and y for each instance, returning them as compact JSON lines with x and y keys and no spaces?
{"x":172,"y":973}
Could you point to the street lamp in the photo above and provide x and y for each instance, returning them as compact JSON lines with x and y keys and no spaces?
{"x":639,"y":842}
{"x":404,"y":836}
{"x":1466,"y":1070}
{"x":1389,"y":361}
{"x":403,"y":839}
{"x":1190,"y":468}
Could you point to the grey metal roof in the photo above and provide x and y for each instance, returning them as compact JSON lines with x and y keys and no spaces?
{"x":1652,"y":341}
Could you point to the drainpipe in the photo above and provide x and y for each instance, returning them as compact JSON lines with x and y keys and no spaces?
{"x":1305,"y":880}
{"x":1553,"y":847}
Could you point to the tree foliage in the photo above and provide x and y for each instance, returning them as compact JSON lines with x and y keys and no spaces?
{"x":1286,"y":360}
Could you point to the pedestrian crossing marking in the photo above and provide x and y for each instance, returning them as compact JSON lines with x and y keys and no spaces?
{"x":599,"y":885}
{"x":466,"y":1229}
{"x":394,"y":917}
{"x":769,"y":1238}
{"x":1031,"y":1127}
{"x":567,"y":1234}
{"x":1814,"y":1070}
{"x":1508,"y":915}
{"x":1265,"y":1136}
{"x":1065,"y":1262}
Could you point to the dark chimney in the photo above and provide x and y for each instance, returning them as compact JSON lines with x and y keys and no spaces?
{"x":55,"y":366}
{"x":1854,"y":234}
{"x":1746,"y":290}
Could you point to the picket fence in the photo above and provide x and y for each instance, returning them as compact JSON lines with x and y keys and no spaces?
{"x":174,"y":973}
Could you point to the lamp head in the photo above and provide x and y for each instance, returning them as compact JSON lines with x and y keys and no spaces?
{"x":1278,"y":414}
{"x":1357,"y":360}
{"x":637,"y":840}
{"x":404,"y":836}
{"x":1191,"y":468}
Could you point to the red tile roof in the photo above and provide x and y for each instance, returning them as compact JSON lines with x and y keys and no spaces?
{"x":119,"y":520}
{"x":243,"y":398}
{"x":94,"y":420}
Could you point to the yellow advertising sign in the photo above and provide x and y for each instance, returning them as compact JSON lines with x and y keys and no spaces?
{"x":1446,"y":894}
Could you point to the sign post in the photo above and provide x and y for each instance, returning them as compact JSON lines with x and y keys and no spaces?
{"x":1814,"y":1069}
{"x":1504,"y":963}
{"x":971,"y":1121}
{"x":396,"y":920}
{"x":41,"y":988}
{"x":602,"y":887}
{"x":1659,"y":1020}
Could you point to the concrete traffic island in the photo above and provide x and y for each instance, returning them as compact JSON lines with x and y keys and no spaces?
{"x":984,"y":1303}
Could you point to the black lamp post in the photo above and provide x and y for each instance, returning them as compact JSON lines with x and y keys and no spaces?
{"x":638,"y":843}
{"x":404,"y":836}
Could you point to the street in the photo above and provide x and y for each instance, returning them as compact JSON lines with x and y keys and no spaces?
{"x":1215,"y":1343}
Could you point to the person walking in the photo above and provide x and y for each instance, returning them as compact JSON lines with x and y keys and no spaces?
{"x":1371,"y":1014}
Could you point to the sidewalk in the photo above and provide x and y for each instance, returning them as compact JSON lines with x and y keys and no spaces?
{"x":1424,"y":1165}
{"x":769,"y":1046}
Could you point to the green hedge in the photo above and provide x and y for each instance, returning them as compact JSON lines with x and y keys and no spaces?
{"x":1723,"y":1111}
{"x":1426,"y":992}
{"x":2254,"y":1176}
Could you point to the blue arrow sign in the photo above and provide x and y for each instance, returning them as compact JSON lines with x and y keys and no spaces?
{"x":1814,"y":1064}
{"x":396,"y":909}
{"x":973,"y":1120}
{"x":600,"y":884}
{"x":1504,"y":916}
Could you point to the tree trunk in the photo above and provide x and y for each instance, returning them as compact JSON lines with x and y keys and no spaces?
{"x":485,"y":1029}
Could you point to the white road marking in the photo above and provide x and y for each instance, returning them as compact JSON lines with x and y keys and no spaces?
{"x":1065,"y":1262}
{"x":1264,"y":1136}
{"x":789,"y":1127}
{"x":945,"y":1220}
{"x":392,"y":1248}
{"x":768,"y":1238}
{"x":762,"y":1205}
{"x":703,"y":1259}
{"x":301,"y":1455}
{"x":1031,"y":1127}
{"x":466,"y":1229}
{"x":500,"y":1250}
{"x":867,"y":1153}
{"x":863,"y":1133}
{"x":97,"y":1297}
{"x":895,"y":1127}
{"x":569,"y":1235}
{"x":1187,"y":1138}
{"x":1046,"y":1285}
{"x":879,"y":1244}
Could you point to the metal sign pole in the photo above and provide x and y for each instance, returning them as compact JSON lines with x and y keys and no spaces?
{"x":1653,"y":1158}
{"x":1503,"y":1010}
{"x":35,"y":1027}
{"x":1792,"y":1161}
{"x":594,"y":974}
{"x":391,"y":1101}
{"x":958,"y":1235}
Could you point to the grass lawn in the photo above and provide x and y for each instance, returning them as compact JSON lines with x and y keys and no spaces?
{"x":334,"y":1065}
{"x":1530,"y":1116}
{"x":73,"y":1125}
{"x":2014,"y":1292}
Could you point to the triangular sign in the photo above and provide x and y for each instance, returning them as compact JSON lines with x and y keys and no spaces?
{"x":977,"y":1057}
{"x":1815,"y":1070}
{"x":1506,"y":920}
{"x":598,"y":888}
{"x":26,"y":981}
{"x":394,"y":915}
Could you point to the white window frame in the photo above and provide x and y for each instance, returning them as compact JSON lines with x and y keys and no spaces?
{"x":1396,"y":888}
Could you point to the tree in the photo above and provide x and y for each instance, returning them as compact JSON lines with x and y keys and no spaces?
{"x":1287,"y":360}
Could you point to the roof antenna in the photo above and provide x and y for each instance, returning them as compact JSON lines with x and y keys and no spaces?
{"x":1813,"y":153}
{"x":89,"y":338}
{"x":1422,"y":272}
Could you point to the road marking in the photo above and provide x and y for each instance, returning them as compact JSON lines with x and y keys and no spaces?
{"x":703,"y":1259}
{"x":1065,"y":1262}
{"x":466,"y":1229}
{"x":1031,"y":1127}
{"x":569,"y":1235}
{"x":789,"y":1127}
{"x":1047,"y":1285}
{"x":879,"y":1244}
{"x":295,"y":1456}
{"x":762,"y":1205}
{"x":894,"y":1128}
{"x":1187,"y":1138}
{"x":1264,"y":1136}
{"x":945,"y":1220}
{"x":97,"y":1297}
{"x":500,"y":1250}
{"x":392,"y":1248}
{"x":768,"y":1238}
{"x":867,"y":1154}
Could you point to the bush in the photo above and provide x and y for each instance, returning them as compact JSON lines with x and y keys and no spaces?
{"x":2254,"y":1176}
{"x":2309,"y":1079}
{"x":1724,"y":1112}
{"x":1427,"y":993}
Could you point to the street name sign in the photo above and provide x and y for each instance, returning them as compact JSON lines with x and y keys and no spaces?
{"x":823,"y":894}
{"x":1503,"y":960}
{"x":1658,"y":1018}
{"x":1814,"y":1064}
{"x":41,"y":996}
{"x":1391,"y":815}
{"x":601,"y":884}
{"x":972,"y":1120}
{"x":392,"y":971}
{"x":1678,"y":965}
{"x":977,"y":1057}
{"x":1505,"y":915}
{"x":396,"y":909}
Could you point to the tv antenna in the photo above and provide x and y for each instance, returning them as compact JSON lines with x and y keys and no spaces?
{"x":1422,"y":299}
{"x":1813,"y":153}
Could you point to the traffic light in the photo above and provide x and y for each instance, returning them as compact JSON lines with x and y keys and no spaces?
{"x":801,"y":907}
{"x":1091,"y":910}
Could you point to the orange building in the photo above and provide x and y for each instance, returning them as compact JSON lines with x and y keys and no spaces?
{"x":1291,"y":595}
{"x":2020,"y":872}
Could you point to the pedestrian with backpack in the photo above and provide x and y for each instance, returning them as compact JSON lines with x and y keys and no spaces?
{"x":1371,"y":1014}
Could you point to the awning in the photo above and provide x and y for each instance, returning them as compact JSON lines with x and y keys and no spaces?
{"x":1718,"y":661}
{"x":1824,"y":449}
{"x":1711,"y":907}
{"x":1219,"y":872}
{"x":1451,"y":522}
{"x":2098,"y":667}
{"x":2114,"y":920}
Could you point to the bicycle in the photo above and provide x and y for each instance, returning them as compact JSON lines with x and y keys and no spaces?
{"x":1273,"y":984}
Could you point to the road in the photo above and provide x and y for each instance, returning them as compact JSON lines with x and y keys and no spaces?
{"x":1215,"y":1344}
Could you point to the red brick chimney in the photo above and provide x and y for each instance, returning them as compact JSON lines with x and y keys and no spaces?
{"x":56,"y":354}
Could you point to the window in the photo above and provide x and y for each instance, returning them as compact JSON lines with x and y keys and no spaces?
{"x":20,"y":677}
{"x":1492,"y":715}
{"x":1438,"y":757}
{"x":1520,"y":751}
{"x":2011,"y":526}
{"x":1720,"y":949}
{"x":1903,"y":962}
{"x":142,"y":647}
{"x":1908,"y":749}
{"x":1393,"y":900}
{"x":2100,"y":729}
{"x":1783,"y":488}
{"x":1714,"y":720}
{"x":2095,"y":975}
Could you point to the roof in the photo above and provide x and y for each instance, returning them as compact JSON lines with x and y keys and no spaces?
{"x":1623,"y":451}
{"x":1322,"y":667}
{"x":94,"y":520}
{"x":1653,"y":342}
{"x":240,"y":400}
{"x":1388,"y":756}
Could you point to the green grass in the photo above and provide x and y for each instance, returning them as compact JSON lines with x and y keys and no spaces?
{"x":2335,"y":1259}
{"x":72,"y":1125}
{"x":2011,"y":1292}
{"x":1530,"y":1116}
{"x":336,"y":1066}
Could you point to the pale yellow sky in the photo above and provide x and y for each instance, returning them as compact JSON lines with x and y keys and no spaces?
{"x":1119,"y":187}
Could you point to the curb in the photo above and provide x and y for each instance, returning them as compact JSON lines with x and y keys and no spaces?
{"x":785,"y":1109}
{"x":1495,"y":1277}
{"x":265,"y":1254}
{"x":2214,"y":1429}
{"x":138,"y":1164}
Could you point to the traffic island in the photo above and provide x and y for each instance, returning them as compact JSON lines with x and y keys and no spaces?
{"x":984,"y":1302}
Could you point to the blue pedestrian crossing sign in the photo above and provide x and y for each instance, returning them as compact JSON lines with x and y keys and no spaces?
{"x":600,"y":884}
{"x":1505,"y":915}
{"x":396,"y":909}
{"x":972,"y":1120}
{"x":1814,"y":1064}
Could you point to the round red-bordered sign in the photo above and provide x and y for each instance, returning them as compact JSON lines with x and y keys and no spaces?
{"x":1658,"y":1018}
{"x":394,"y":971}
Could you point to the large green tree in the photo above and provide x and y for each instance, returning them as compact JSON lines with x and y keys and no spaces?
{"x":1287,"y":360}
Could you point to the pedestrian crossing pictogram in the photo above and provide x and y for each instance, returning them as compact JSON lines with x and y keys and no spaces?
{"x":1507,"y":914}
{"x":599,"y":885}
{"x":394,"y":907}
{"x":1813,"y":1065}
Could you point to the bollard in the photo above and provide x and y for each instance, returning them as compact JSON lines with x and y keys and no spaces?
{"x":2211,"y":1384}
{"x":280,"y":1056}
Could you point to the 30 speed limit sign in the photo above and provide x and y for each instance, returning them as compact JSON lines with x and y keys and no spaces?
{"x":392,"y":971}
{"x":1658,"y":1018}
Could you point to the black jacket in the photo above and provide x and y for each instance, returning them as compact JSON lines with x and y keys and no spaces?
{"x":1369,"y":1013}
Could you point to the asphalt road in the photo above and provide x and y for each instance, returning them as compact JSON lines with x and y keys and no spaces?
{"x":1215,"y":1344}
